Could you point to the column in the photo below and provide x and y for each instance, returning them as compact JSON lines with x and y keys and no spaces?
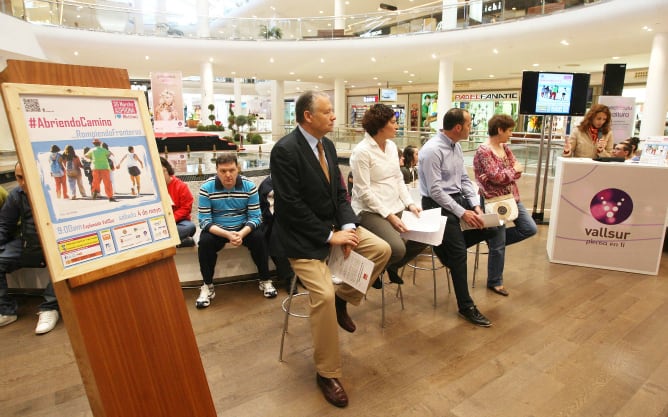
{"x":449,"y":20}
{"x":138,"y":16}
{"x":339,"y":12}
{"x":206,"y":90}
{"x":340,"y":103}
{"x":656,"y":103}
{"x":237,"y":96}
{"x":203,"y":18}
{"x":161,"y":13}
{"x":277,"y":109}
{"x":445,"y":80}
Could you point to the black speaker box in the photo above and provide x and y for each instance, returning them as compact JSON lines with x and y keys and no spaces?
{"x":613,"y":79}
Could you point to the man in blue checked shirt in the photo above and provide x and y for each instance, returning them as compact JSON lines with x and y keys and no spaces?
{"x":229,"y":212}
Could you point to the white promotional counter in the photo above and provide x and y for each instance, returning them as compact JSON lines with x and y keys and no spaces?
{"x":609,"y":215}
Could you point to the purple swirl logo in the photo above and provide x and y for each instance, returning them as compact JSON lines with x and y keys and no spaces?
{"x":611,"y":206}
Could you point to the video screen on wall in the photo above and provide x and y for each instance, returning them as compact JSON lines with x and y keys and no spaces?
{"x":554,"y":93}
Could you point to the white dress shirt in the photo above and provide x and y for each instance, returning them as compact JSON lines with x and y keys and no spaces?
{"x":378,"y":184}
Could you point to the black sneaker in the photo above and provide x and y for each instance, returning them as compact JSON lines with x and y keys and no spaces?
{"x":474,"y":316}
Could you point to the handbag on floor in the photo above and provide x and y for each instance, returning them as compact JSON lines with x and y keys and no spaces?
{"x":505,"y":206}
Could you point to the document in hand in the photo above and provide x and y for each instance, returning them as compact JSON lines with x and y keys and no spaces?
{"x":354,"y":271}
{"x":490,"y":220}
{"x":428,"y":228}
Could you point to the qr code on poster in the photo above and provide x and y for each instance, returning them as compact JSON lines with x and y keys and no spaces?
{"x":31,"y":105}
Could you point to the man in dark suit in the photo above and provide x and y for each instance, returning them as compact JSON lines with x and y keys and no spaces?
{"x":312,"y":215}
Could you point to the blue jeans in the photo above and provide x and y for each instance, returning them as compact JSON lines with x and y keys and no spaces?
{"x":186,"y":228}
{"x":524,"y":227}
{"x":10,"y":260}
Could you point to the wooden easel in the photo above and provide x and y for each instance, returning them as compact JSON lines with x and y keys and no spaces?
{"x":128,"y":325}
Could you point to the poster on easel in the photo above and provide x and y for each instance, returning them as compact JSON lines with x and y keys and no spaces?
{"x":115,"y":210}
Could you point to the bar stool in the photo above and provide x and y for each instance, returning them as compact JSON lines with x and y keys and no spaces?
{"x":433,"y":269}
{"x":288,"y":313}
{"x":399,"y":294}
{"x":476,"y":261}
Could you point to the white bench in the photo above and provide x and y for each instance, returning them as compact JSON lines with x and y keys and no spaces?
{"x":234,"y":264}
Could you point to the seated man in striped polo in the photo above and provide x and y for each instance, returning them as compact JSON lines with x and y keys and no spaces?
{"x":229,"y":212}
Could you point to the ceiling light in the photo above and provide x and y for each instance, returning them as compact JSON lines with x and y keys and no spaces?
{"x":233,"y":72}
{"x":535,"y":65}
{"x":491,"y":75}
{"x":271,"y":60}
{"x":496,"y":51}
{"x":433,"y":56}
{"x":298,"y":80}
{"x":373,"y":59}
{"x":469,"y":69}
{"x":321,"y":12}
{"x":379,"y":83}
{"x":405,"y":71}
{"x":322,"y":60}
{"x":412,"y":75}
{"x":615,"y":57}
{"x":375,"y":78}
{"x":410,"y":81}
{"x":564,"y":42}
{"x":76,"y":53}
{"x":211,"y":59}
{"x":320,"y":77}
{"x":292,"y":73}
{"x":352,"y":86}
{"x":146,"y":57}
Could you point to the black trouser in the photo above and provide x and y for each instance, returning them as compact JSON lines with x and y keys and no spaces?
{"x":452,"y":250}
{"x":210,"y":244}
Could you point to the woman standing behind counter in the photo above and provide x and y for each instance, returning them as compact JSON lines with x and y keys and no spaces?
{"x":593,"y":136}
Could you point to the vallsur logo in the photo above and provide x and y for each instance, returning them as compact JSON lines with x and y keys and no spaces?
{"x":610,"y":207}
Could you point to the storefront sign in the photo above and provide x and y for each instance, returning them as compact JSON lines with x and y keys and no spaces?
{"x":487,"y":95}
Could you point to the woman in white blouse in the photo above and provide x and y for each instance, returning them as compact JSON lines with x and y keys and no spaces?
{"x":379,"y":195}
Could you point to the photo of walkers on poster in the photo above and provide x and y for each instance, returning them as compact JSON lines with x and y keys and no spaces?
{"x":96,"y":168}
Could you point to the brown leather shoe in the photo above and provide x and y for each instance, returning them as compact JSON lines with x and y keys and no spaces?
{"x":342,"y":316}
{"x":332,"y":390}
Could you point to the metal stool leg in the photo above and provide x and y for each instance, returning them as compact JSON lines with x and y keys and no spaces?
{"x":293,"y":286}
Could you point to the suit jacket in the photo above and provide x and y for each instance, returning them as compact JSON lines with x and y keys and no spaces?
{"x":306,"y":207}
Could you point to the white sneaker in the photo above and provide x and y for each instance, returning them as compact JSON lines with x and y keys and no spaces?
{"x":267,"y":288}
{"x":5,"y":320}
{"x":47,"y":321}
{"x":206,"y":294}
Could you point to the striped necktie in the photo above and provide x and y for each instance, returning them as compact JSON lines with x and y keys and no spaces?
{"x":323,"y":162}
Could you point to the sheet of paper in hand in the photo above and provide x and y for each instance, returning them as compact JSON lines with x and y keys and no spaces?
{"x":355,"y":270}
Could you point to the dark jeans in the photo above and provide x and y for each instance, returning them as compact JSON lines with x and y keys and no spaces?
{"x":452,"y":251}
{"x":10,"y":262}
{"x":210,"y":244}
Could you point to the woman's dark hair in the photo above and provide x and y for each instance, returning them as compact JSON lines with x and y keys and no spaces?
{"x":586,"y":123}
{"x":499,"y":121}
{"x":409,"y":156}
{"x":633,"y":141}
{"x":55,"y":148}
{"x":165,"y":163}
{"x":376,"y":118}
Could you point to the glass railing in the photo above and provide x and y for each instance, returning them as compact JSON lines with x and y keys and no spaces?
{"x":117,"y":17}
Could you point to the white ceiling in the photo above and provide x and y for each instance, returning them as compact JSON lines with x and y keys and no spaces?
{"x":595,"y":33}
